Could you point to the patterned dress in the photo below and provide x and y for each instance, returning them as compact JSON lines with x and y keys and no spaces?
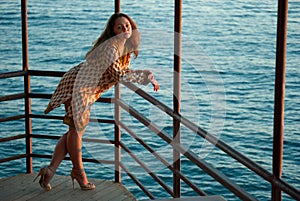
{"x":82,"y":85}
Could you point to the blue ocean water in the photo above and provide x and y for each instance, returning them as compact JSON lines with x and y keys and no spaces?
{"x":228,"y":60}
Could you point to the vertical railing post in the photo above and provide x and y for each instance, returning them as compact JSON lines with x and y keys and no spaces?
{"x":278,"y":132}
{"x":176,"y":95}
{"x":117,"y":121}
{"x":28,"y":126}
{"x":117,"y":134}
{"x":117,"y":6}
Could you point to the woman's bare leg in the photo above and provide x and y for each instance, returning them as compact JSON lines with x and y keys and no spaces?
{"x":59,"y":154}
{"x":74,"y":145}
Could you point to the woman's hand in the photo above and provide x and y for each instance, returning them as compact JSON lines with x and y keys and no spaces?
{"x":153,"y":81}
{"x":156,"y":86}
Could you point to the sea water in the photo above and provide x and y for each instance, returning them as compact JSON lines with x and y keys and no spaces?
{"x":227,"y":85}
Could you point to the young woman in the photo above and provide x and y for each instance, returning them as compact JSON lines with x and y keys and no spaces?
{"x":105,"y":64}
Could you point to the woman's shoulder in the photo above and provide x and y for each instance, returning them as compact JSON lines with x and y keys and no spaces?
{"x":114,"y":45}
{"x":108,"y":47}
{"x":74,"y":69}
{"x":110,"y":43}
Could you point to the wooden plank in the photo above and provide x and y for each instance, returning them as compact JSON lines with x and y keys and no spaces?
{"x":105,"y":192}
{"x":89,"y":195}
{"x":60,"y":189}
{"x":100,"y":188}
{"x":110,"y":193}
{"x":7,"y":184}
{"x":22,"y":187}
{"x":119,"y":195}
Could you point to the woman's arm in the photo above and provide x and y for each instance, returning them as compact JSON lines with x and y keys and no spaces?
{"x":143,"y":77}
{"x":117,"y":70}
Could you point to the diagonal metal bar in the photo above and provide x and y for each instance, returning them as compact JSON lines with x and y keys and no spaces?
{"x":145,"y":167}
{"x":165,"y":162}
{"x":213,"y":172}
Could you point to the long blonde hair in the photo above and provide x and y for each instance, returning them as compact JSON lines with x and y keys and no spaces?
{"x":131,"y":44}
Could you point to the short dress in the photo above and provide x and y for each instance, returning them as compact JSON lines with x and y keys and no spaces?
{"x":83,"y":84}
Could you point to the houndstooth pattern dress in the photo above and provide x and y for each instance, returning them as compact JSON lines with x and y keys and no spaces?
{"x":83,"y":84}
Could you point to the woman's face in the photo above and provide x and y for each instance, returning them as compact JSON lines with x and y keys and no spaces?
{"x":123,"y":26}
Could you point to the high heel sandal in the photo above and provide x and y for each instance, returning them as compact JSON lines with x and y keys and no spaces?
{"x":77,"y":174}
{"x":42,"y":173}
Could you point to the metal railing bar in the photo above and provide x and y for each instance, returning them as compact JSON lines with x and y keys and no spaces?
{"x":41,"y":116}
{"x":190,"y":184}
{"x":12,"y":97}
{"x":16,"y":137}
{"x":107,"y":121}
{"x":45,"y":96}
{"x":229,"y":150}
{"x":279,"y":96}
{"x":17,"y":117}
{"x":100,"y":161}
{"x":39,"y":136}
{"x":266,"y":175}
{"x":177,"y":65}
{"x":27,"y":101}
{"x":144,"y":120}
{"x":169,"y":166}
{"x":106,"y":100}
{"x":217,"y":175}
{"x":137,"y":182}
{"x":48,"y":96}
{"x":51,"y":137}
{"x":12,"y":74}
{"x":98,"y":141}
{"x":285,"y":187}
{"x":204,"y":134}
{"x":45,"y":156}
{"x":90,"y":160}
{"x":144,"y":166}
{"x":46,"y":73}
{"x":3,"y":160}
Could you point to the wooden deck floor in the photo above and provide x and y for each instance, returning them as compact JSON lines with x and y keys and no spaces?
{"x":22,"y":187}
